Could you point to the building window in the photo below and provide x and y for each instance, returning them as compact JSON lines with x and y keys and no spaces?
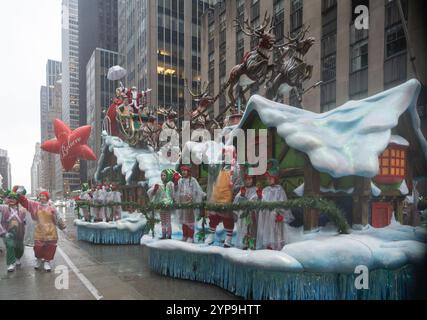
{"x":328,"y":54}
{"x":395,"y":45}
{"x":279,"y":18}
{"x":255,"y":10}
{"x":296,"y":15}
{"x":395,"y":41}
{"x":358,"y":79}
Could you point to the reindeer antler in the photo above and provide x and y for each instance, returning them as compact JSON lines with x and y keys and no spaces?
{"x":264,"y":24}
{"x":299,"y":37}
{"x":197,"y":95}
{"x":239,"y":24}
{"x":272,"y":25}
{"x":302,"y":33}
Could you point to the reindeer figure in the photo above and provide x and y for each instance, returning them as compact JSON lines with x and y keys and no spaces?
{"x":200,"y":117}
{"x":292,"y":71}
{"x":255,"y":65}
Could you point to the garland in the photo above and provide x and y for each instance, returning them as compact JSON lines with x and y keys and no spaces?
{"x":328,"y":208}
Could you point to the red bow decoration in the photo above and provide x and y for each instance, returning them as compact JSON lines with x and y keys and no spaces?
{"x":279,"y":218}
{"x":176,"y":177}
{"x":70,"y":145}
{"x":259,"y":193}
{"x":242,"y":191}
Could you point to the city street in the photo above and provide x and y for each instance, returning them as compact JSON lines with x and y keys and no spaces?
{"x":98,"y":272}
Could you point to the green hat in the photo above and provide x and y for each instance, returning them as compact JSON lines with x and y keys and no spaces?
{"x":169,"y":174}
{"x":11,"y":195}
{"x":274,"y":170}
{"x":248,"y":169}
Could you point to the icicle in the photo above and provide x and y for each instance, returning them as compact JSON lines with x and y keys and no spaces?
{"x":251,"y":283}
{"x":108,"y":236}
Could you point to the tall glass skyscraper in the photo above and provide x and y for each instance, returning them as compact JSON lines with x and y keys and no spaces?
{"x":70,"y":80}
{"x":160,"y":44}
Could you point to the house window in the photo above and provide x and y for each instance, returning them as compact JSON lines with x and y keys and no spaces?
{"x":392,"y":165}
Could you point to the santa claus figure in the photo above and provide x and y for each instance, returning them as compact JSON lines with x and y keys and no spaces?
{"x":46,"y":220}
{"x":134,"y":99}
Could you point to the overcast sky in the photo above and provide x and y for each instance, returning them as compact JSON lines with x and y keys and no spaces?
{"x":30,"y":35}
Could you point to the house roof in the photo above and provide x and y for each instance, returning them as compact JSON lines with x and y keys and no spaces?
{"x":349,"y":139}
{"x":130,"y":158}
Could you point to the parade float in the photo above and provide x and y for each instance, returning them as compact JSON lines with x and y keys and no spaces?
{"x":344,"y":174}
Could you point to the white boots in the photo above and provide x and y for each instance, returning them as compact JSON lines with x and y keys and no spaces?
{"x":18,"y":262}
{"x":227,"y":242}
{"x":11,"y":268}
{"x":38,"y":264}
{"x":210,"y":239}
{"x":47,"y":266}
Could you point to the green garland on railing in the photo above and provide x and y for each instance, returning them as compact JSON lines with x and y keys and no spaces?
{"x":326,"y":207}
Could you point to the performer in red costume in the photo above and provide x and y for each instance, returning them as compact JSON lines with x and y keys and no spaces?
{"x":46,"y":220}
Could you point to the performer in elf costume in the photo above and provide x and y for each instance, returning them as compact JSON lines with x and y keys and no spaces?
{"x":12,"y":229}
{"x":187,"y":191}
{"x":164,"y":194}
{"x":222,"y":193}
{"x":272,"y":224}
{"x":85,"y":196}
{"x":99,"y":198}
{"x":46,"y":220}
{"x":247,"y":220}
{"x":116,"y":197}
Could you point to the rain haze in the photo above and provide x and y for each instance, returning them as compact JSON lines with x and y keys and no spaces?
{"x":31,"y":34}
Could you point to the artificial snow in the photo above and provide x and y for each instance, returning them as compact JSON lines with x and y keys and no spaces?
{"x":395,"y":139}
{"x":315,"y":265}
{"x":325,"y":250}
{"x":403,"y":188}
{"x":300,"y":190}
{"x":130,"y":159}
{"x":349,"y":139}
{"x":128,"y":230}
{"x":376,"y":192}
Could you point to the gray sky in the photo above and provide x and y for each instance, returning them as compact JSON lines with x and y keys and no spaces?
{"x":30,"y":35}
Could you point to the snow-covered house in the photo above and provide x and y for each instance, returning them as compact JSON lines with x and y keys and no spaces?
{"x":133,"y":169}
{"x":364,"y":155}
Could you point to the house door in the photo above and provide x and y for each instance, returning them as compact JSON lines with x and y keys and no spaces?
{"x":381,"y":214}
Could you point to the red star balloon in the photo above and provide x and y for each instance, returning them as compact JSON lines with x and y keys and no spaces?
{"x":70,"y":145}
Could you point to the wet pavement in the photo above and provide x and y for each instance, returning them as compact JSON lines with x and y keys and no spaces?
{"x":98,"y":272}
